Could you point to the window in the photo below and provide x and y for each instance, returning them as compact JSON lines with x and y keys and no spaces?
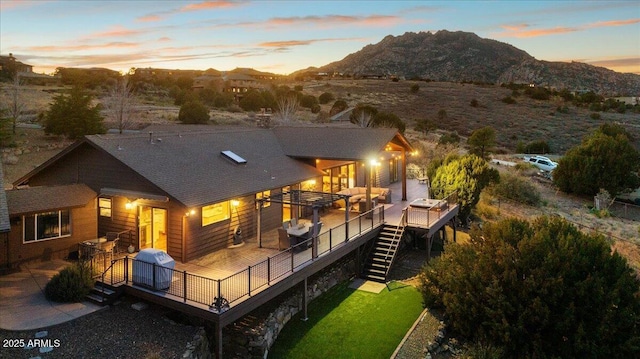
{"x":104,"y":205}
{"x":261,"y":195}
{"x":48,"y":225}
{"x":215,"y":213}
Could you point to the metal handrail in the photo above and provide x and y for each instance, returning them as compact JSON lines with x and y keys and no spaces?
{"x":396,"y":240}
{"x":220,"y":302}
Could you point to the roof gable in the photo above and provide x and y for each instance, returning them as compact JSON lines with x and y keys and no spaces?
{"x":337,"y":143}
{"x":47,"y":198}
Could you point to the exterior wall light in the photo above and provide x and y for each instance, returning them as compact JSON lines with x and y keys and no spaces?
{"x":235,"y":203}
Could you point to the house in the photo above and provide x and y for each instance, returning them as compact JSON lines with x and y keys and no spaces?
{"x":5,"y":225}
{"x":9,"y":63}
{"x":188,"y":190}
{"x":48,"y":222}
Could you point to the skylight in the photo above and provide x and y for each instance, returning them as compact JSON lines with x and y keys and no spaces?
{"x":233,"y":157}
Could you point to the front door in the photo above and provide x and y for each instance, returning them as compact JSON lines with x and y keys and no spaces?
{"x":152,"y":227}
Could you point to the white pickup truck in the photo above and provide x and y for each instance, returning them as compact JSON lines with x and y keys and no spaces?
{"x":543,"y":163}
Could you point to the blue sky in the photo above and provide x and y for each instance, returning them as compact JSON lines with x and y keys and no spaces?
{"x":285,"y":36}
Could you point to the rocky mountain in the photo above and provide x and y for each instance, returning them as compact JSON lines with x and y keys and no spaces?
{"x":463,"y":56}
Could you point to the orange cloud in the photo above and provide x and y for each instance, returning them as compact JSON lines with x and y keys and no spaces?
{"x":286,"y":43}
{"x":521,"y":31}
{"x":149,"y":18}
{"x":290,"y":43}
{"x":332,"y":20}
{"x":111,"y":45}
{"x":117,"y":31}
{"x":205,"y":5}
{"x":613,"y":23}
{"x":10,"y":5}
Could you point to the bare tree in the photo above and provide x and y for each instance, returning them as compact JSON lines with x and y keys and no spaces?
{"x":15,"y":102}
{"x":120,"y":102}
{"x":288,"y":105}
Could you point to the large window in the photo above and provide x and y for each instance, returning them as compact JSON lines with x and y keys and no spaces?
{"x":48,"y":225}
{"x":215,"y":213}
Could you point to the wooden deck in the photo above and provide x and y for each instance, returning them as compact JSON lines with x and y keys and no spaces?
{"x":244,"y":273}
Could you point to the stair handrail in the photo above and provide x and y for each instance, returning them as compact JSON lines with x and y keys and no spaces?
{"x":113,"y":261}
{"x":396,"y":240}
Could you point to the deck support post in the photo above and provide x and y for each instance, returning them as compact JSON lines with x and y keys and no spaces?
{"x":429,"y":242}
{"x":404,"y":174}
{"x":259,"y":223}
{"x":346,"y":217}
{"x":453,"y":220}
{"x":314,"y":234}
{"x":305,"y":300}
{"x":218,"y":339}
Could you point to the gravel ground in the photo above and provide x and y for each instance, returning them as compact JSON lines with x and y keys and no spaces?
{"x":114,"y":332}
{"x":406,"y":269}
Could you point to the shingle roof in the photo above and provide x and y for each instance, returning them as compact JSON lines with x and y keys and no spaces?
{"x":189,"y":167}
{"x":5,"y":225}
{"x":338,"y":143}
{"x":47,"y":198}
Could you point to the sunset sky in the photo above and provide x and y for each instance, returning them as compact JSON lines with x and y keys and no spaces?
{"x":285,"y":36}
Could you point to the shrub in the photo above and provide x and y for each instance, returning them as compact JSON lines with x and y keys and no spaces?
{"x":72,"y":284}
{"x":326,"y":97}
{"x":308,"y":101}
{"x":508,"y":100}
{"x":539,"y":290}
{"x":415,"y":88}
{"x":193,"y":112}
{"x":448,"y":138}
{"x":474,"y":103}
{"x":517,"y":189}
{"x":315,"y":108}
{"x":537,"y":147}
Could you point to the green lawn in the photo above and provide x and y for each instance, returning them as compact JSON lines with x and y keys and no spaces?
{"x":346,"y":323}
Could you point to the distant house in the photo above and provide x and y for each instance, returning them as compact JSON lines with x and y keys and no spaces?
{"x":10,"y":62}
{"x":239,"y":84}
{"x":187,"y":190}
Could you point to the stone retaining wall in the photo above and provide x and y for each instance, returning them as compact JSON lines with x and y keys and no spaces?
{"x":252,"y":336}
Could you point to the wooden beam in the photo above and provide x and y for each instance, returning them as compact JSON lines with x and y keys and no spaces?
{"x":404,"y":174}
{"x":305,"y":299}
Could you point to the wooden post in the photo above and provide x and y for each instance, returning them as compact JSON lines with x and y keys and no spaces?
{"x":305,"y":301}
{"x":259,"y":223}
{"x":404,"y":174}
{"x":218,"y":340}
{"x":314,"y":234}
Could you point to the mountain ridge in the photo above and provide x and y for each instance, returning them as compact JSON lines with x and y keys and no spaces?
{"x":465,"y":57}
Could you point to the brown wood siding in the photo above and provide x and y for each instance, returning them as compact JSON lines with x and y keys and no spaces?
{"x":83,"y":227}
{"x":204,"y":240}
{"x":121,"y":220}
{"x":94,"y":168}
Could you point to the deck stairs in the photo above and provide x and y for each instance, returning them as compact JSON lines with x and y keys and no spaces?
{"x":383,"y":253}
{"x":103,"y":294}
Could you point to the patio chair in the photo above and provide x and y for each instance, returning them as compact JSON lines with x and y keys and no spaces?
{"x":286,"y":225}
{"x":294,"y":222}
{"x":283,"y":239}
{"x":114,"y":238}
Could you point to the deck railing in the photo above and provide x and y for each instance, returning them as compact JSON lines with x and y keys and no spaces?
{"x":427,"y":216}
{"x":219,"y":294}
